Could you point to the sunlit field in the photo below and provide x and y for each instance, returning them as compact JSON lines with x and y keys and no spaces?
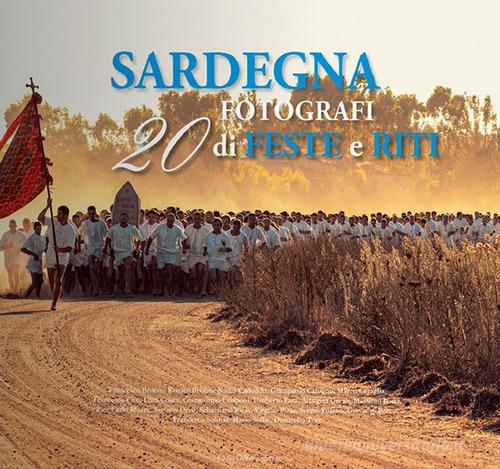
{"x":420,"y":309}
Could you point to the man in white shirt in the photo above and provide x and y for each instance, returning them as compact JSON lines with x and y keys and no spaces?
{"x":334,"y":227}
{"x":209,"y":218}
{"x":169,"y":237}
{"x":424,"y":234}
{"x":478,"y":218}
{"x":356,"y":229}
{"x":283,"y":232}
{"x":317,"y":226}
{"x":447,"y":230}
{"x":344,"y":229}
{"x":384,"y":233}
{"x":323,"y":221}
{"x":412,"y":228}
{"x":256,"y":237}
{"x":304,"y":230}
{"x":33,"y":247}
{"x":150,"y":261}
{"x":93,"y":231}
{"x":439,"y":223}
{"x":194,"y":246}
{"x":373,"y":224}
{"x":432,"y":226}
{"x":123,"y":239}
{"x":226,"y":223}
{"x":460,"y":221}
{"x":240,"y":245}
{"x":78,"y":258}
{"x":287,"y":223}
{"x":28,"y":229}
{"x":65,"y":240}
{"x":273,"y":240}
{"x":217,"y":245}
{"x":461,"y":225}
{"x":482,"y":230}
{"x":367,"y":229}
{"x":11,"y":243}
{"x":496,"y":226}
{"x":397,"y":231}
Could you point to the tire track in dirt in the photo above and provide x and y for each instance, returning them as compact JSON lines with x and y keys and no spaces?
{"x":53,"y":365}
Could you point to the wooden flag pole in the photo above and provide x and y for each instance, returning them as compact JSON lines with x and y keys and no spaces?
{"x":47,"y":177}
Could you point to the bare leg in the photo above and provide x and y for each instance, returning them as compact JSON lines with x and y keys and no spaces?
{"x":154,"y":275}
{"x":95,"y":267}
{"x":33,"y":285}
{"x":118,"y":287}
{"x":201,"y":278}
{"x":163,"y":280}
{"x":179,"y":281}
{"x":170,"y":280}
{"x":13,"y":274}
{"x":129,"y":275}
{"x":68,"y":282}
{"x":81,"y":273}
{"x":109,"y":279}
{"x":194,"y":280}
{"x":17,"y":279}
{"x":51,"y":274}
{"x":58,"y":279}
{"x":39,"y":282}
{"x":212,"y":278}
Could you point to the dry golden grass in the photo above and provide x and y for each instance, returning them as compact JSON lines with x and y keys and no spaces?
{"x":425,"y":304}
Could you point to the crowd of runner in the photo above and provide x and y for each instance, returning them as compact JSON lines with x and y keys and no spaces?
{"x":172,"y":252}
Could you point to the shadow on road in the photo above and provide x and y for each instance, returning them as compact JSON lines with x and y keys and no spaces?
{"x":15,"y":313}
{"x":142,"y":299}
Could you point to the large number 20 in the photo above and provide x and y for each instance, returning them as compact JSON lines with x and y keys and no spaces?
{"x":141,"y":138}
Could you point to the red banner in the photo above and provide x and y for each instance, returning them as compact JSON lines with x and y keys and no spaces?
{"x":23,"y":172}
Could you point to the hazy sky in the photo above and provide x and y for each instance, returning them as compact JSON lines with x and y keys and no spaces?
{"x":67,"y":46}
{"x":413,"y":46}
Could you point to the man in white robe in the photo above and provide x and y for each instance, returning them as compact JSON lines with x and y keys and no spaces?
{"x":424,"y":234}
{"x":397,"y":231}
{"x":169,"y":237}
{"x":356,"y":229}
{"x":217,"y":246}
{"x":123,"y":239}
{"x":483,"y":230}
{"x":273,"y":239}
{"x":344,"y":230}
{"x":65,"y":240}
{"x":317,"y":226}
{"x":194,"y":246}
{"x":10,"y":243}
{"x":34,"y":247}
{"x":412,"y":228}
{"x":256,"y":237}
{"x":283,"y":232}
{"x":496,"y":227}
{"x":384,"y":233}
{"x":303,"y":229}
{"x":288,"y":224}
{"x":240,"y":245}
{"x":447,"y":231}
{"x":324,"y":222}
{"x":149,"y":260}
{"x":367,"y":229}
{"x":93,"y":231}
